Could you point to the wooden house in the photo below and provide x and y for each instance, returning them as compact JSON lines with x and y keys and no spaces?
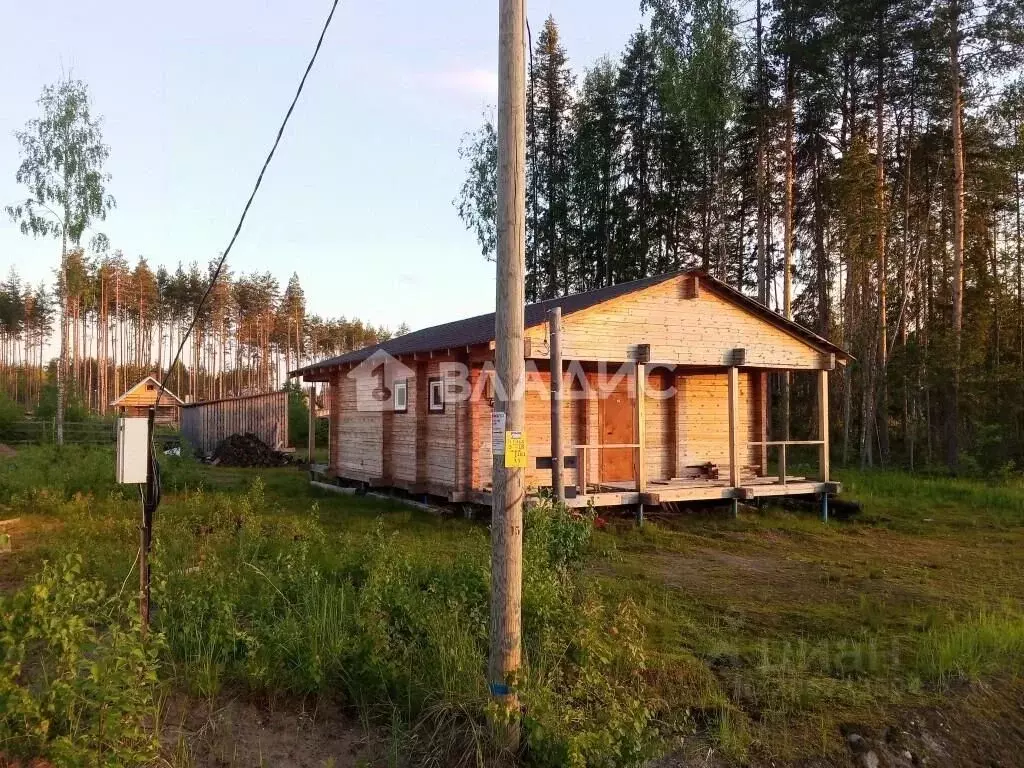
{"x":137,"y":401}
{"x":664,"y":399}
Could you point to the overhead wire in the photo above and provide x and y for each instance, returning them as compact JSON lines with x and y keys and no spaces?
{"x":248,"y":204}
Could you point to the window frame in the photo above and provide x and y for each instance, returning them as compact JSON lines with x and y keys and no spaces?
{"x":403,"y":386}
{"x":433,"y":407}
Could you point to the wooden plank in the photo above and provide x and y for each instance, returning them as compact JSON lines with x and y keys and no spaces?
{"x":606,"y":499}
{"x":823,"y":450}
{"x":581,"y":469}
{"x":689,"y":493}
{"x":734,"y":431}
{"x":787,"y":442}
{"x":776,"y":489}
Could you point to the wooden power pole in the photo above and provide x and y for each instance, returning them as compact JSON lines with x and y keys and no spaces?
{"x":509,"y":416}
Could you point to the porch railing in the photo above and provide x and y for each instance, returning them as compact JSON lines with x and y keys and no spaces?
{"x":782,"y":445}
{"x":583,"y":463}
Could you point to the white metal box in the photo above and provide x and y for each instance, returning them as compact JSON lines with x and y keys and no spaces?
{"x":132,"y":449}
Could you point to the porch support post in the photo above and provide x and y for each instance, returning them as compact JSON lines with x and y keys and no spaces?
{"x":762,"y":394}
{"x":641,"y":427}
{"x":823,"y":452}
{"x":555,"y":368}
{"x":734,"y":426}
{"x":311,"y":437}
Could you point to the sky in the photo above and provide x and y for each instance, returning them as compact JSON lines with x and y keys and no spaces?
{"x":358,"y":200}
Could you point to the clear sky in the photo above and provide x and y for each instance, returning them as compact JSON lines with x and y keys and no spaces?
{"x":358,"y":200}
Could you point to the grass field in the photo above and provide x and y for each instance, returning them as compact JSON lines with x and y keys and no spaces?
{"x":352,"y":631}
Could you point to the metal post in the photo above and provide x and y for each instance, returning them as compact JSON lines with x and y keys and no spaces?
{"x":824,"y":507}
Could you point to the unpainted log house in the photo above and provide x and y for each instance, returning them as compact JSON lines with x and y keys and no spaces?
{"x":664,"y":398}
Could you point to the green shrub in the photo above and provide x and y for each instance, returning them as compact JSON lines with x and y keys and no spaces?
{"x":561,"y":534}
{"x":593,"y":709}
{"x":76,"y":679}
{"x":39,"y":472}
{"x":74,"y":408}
{"x":10,"y":414}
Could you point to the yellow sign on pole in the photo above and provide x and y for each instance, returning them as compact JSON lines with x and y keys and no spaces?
{"x":515,"y":450}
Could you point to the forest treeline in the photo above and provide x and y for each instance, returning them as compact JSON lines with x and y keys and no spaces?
{"x":126,"y":320}
{"x":855,"y":166}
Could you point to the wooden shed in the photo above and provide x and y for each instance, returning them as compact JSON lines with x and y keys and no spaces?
{"x":137,"y":401}
{"x":265,"y":415}
{"x":664,"y":399}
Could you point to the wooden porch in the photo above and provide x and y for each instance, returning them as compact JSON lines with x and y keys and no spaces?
{"x":698,"y":489}
{"x":735,"y":480}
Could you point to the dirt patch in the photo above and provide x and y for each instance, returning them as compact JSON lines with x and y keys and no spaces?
{"x":6,"y":452}
{"x":976,"y":726}
{"x":245,"y":733}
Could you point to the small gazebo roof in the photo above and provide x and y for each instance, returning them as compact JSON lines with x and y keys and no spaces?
{"x":166,"y":393}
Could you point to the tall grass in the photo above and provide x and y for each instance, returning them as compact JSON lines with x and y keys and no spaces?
{"x":249,"y":596}
{"x":913,"y":502}
{"x":970,"y":648}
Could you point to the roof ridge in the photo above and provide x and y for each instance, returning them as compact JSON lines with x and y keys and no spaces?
{"x":478,"y":329}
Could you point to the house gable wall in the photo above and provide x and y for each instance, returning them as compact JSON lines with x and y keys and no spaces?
{"x":682,"y":326}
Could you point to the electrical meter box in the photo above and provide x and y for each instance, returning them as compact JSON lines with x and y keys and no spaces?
{"x":132,"y":449}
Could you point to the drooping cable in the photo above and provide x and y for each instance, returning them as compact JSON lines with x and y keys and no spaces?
{"x":248,"y":204}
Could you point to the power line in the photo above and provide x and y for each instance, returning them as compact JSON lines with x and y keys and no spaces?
{"x":248,"y":204}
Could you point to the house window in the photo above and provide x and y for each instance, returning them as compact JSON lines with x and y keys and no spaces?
{"x":435,"y":399}
{"x":150,"y":387}
{"x":401,"y":395}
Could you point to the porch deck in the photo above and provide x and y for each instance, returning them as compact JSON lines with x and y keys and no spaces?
{"x":699,"y":489}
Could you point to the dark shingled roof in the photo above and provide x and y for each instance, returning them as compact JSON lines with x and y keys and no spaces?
{"x":480,"y":329}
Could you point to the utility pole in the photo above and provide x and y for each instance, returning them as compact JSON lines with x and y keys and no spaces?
{"x":507,"y":484}
{"x":150,"y":501}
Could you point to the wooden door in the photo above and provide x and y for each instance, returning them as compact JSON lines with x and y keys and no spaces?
{"x":617,"y":426}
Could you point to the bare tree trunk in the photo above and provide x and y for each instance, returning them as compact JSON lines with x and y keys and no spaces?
{"x":883,"y":267}
{"x":787,"y":278}
{"x":953,"y":413}
{"x":62,"y":360}
{"x":762,"y":205}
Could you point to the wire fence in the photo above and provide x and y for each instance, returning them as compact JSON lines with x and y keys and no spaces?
{"x":44,"y":431}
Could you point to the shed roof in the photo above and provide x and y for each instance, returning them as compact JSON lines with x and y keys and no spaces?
{"x":480,"y":329}
{"x":163,"y":398}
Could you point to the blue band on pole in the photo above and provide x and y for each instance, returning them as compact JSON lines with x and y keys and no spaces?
{"x":500,"y":689}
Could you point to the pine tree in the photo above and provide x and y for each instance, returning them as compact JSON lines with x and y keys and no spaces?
{"x":634,"y":238}
{"x":548,"y":139}
{"x":595,"y":173}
